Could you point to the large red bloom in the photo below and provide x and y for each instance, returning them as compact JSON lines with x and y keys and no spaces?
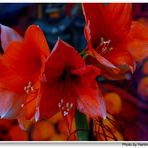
{"x":22,"y":67}
{"x":114,"y":40}
{"x":70,"y":84}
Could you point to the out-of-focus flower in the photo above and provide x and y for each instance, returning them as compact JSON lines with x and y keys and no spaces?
{"x":114,"y":40}
{"x":5,"y":126}
{"x":56,"y":118}
{"x":62,"y":127}
{"x":113,"y":103}
{"x":145,"y":68}
{"x":143,"y":88}
{"x":70,"y":84}
{"x":22,"y":67}
{"x":17,"y":134}
{"x":138,"y":41}
{"x":10,"y":131}
{"x":42,"y":131}
{"x":58,"y":137}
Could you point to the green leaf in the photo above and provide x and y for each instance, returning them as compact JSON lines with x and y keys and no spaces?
{"x":82,"y":126}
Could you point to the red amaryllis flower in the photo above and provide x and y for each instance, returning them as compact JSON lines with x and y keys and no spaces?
{"x":70,"y":84}
{"x":22,"y":67}
{"x":113,"y":39}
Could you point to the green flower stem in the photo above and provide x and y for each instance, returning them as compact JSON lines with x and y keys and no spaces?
{"x":83,"y":55}
{"x":82,"y":126}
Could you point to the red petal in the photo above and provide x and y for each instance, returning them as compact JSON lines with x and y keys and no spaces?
{"x":26,"y":57}
{"x":68,"y":119}
{"x":138,"y":41}
{"x":62,"y":57}
{"x":93,"y":25}
{"x":10,"y":104}
{"x":8,"y":35}
{"x":122,"y":59}
{"x":118,"y":17}
{"x":24,"y":60}
{"x":10,"y":80}
{"x":35,"y":40}
{"x":90,"y":100}
{"x":87,"y":73}
{"x":51,"y":96}
{"x":100,"y":60}
{"x":31,"y":102}
{"x":113,"y":20}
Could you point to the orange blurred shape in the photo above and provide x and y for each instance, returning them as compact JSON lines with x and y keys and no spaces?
{"x":17,"y":134}
{"x":113,"y":103}
{"x":145,"y":68}
{"x":42,"y":131}
{"x":62,"y":127}
{"x":143,"y":88}
{"x":74,"y":126}
{"x":58,"y":137}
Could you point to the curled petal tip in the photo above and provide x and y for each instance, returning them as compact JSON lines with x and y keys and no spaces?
{"x":37,"y":115}
{"x":38,"y":26}
{"x":104,"y":116}
{"x":103,"y":109}
{"x":3,"y":115}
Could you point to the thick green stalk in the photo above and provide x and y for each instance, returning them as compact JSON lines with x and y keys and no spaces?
{"x":82,"y":126}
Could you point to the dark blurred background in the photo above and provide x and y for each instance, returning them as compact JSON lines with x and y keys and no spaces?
{"x":56,"y":20}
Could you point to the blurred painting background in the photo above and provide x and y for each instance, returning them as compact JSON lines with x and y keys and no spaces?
{"x":126,"y":100}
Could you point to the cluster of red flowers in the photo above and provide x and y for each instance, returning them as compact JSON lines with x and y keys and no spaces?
{"x":36,"y":83}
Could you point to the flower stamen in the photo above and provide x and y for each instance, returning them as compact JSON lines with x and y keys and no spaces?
{"x":65,"y":108}
{"x":34,"y":95}
{"x":103,"y":47}
{"x":29,"y":88}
